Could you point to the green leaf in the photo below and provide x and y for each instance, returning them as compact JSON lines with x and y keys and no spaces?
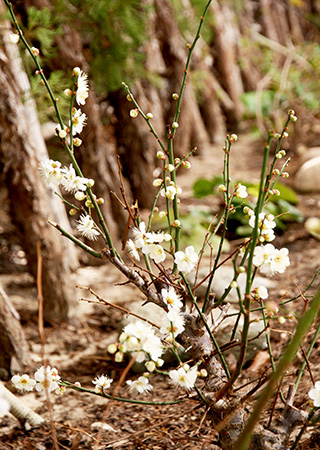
{"x":203,"y":187}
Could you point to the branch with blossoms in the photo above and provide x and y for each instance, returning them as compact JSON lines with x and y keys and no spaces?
{"x":187,"y":327}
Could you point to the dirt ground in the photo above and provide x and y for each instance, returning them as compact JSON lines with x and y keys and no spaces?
{"x":80,"y":351}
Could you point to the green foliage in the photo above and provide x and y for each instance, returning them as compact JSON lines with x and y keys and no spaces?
{"x":113,"y":32}
{"x":58,"y":83}
{"x":282,"y":207}
{"x":42,"y":28}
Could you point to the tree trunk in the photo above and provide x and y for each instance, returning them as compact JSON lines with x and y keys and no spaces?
{"x":12,"y":340}
{"x":29,"y":201}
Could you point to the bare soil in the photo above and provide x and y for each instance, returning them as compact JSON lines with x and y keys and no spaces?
{"x":79,"y":351}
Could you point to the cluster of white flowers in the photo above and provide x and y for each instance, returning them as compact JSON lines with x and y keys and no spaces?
{"x":184,"y":376}
{"x":66,"y":177}
{"x":266,"y":224}
{"x":139,"y":337}
{"x":186,"y":261}
{"x":101,"y":383}
{"x":148,"y":243}
{"x":44,"y":378}
{"x":271,"y":260}
{"x":170,"y":191}
{"x":173,"y":323}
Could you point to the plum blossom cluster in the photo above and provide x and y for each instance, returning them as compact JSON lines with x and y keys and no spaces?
{"x":266,"y":224}
{"x":271,"y":260}
{"x":66,"y":177}
{"x":44,"y":378}
{"x":139,"y":338}
{"x":173,"y":322}
{"x":148,"y":243}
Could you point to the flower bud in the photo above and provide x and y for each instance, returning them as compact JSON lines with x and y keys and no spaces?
{"x":118,"y":357}
{"x":203,"y":373}
{"x":100,"y":201}
{"x":170,"y":167}
{"x":72,"y":212}
{"x":14,"y":38}
{"x":233,"y":138}
{"x":285,"y":134}
{"x":222,"y":188}
{"x":176,"y":223}
{"x":157,"y":182}
{"x":283,"y":152}
{"x":151,"y":366}
{"x":162,"y":214}
{"x":159,"y":362}
{"x":175,"y":125}
{"x":161,"y":155}
{"x":67,"y":92}
{"x":80,"y":196}
{"x":285,"y":174}
{"x":88,"y":203}
{"x":281,"y":320}
{"x":186,"y":164}
{"x":77,"y":142}
{"x":62,"y":134}
{"x":177,"y":161}
{"x":35,"y":51}
{"x":112,"y":348}
{"x":129,"y":98}
{"x":77,"y":383}
{"x":76,"y":71}
{"x":234,"y":284}
{"x":175,"y":96}
{"x":277,"y":135}
{"x":241,"y":269}
{"x":149,"y":116}
{"x":90,"y":182}
{"x":134,"y":113}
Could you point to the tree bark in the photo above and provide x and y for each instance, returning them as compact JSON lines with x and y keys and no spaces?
{"x":29,"y":202}
{"x":12,"y":340}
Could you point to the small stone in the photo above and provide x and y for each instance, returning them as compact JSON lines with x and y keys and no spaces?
{"x":307,"y":178}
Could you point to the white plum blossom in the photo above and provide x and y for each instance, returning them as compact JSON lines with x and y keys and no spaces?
{"x":172,"y":323}
{"x":260,"y":292}
{"x":314,"y":394}
{"x":171,"y":298}
{"x":157,"y":253}
{"x":23,"y":382}
{"x":82,"y":88}
{"x":14,"y":38}
{"x":271,"y":260}
{"x":186,"y":261}
{"x":184,"y":376}
{"x":140,"y":385}
{"x":241,"y":191}
{"x":46,"y":378}
{"x":78,"y":120}
{"x":50,"y":170}
{"x":101,"y":383}
{"x":132,"y":249}
{"x":86,"y":227}
{"x":71,"y":181}
{"x":266,"y":225}
{"x":140,"y":237}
